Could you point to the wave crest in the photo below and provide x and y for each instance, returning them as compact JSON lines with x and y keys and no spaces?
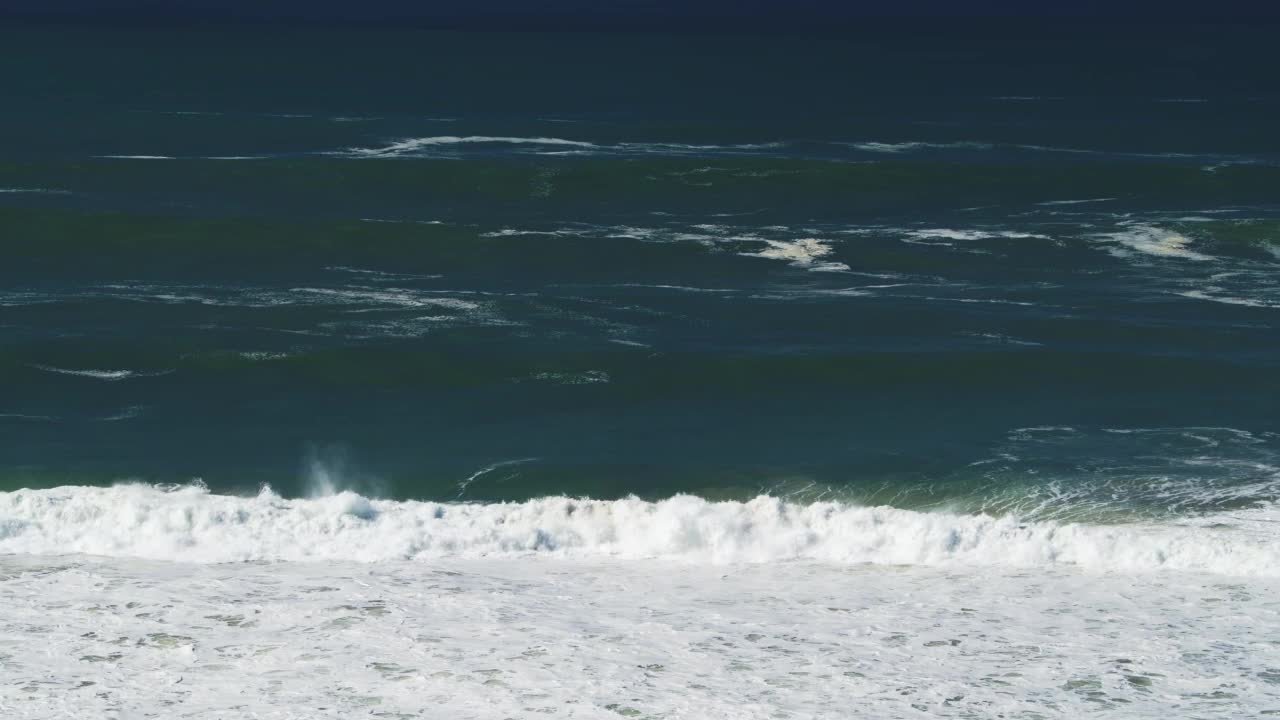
{"x":193,"y":525}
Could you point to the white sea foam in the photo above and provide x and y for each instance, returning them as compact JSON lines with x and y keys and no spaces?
{"x":109,"y":375}
{"x":406,"y":222}
{"x":1211,"y":295}
{"x":1154,"y":241}
{"x":950,"y":234}
{"x":26,"y":417}
{"x":190,"y":524}
{"x":385,"y":296}
{"x":900,"y":147}
{"x":590,"y":377}
{"x":263,"y":355}
{"x":680,"y":288}
{"x":492,"y":638}
{"x":514,"y":232}
{"x":1002,"y":339}
{"x":659,"y":147}
{"x":363,"y":310}
{"x":411,"y":145}
{"x":802,"y":252}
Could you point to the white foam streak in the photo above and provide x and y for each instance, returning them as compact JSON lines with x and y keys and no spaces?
{"x":900,"y":147}
{"x":190,"y":524}
{"x":1227,"y":299}
{"x":686,"y":147}
{"x":109,"y":375}
{"x":1076,"y":202}
{"x":410,"y":145}
{"x":950,"y":234}
{"x":386,"y":297}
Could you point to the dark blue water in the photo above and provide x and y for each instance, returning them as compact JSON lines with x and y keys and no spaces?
{"x":977,"y":267}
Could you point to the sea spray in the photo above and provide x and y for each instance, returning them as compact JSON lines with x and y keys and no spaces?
{"x":330,"y":470}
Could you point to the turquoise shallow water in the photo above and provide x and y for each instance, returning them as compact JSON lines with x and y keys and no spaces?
{"x":892,"y":269}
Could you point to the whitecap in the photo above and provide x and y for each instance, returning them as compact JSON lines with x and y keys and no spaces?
{"x":590,"y":377}
{"x":108,"y":375}
{"x":263,"y":355}
{"x":191,"y":524}
{"x":1154,"y":241}
{"x":803,"y":252}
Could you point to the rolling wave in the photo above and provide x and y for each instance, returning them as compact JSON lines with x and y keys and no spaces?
{"x":191,"y":525}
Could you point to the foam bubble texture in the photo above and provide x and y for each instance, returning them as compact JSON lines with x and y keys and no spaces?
{"x":190,"y":524}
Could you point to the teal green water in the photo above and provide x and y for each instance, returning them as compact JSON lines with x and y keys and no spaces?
{"x":896,"y":269}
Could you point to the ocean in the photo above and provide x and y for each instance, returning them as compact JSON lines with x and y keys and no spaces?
{"x":907,"y":371}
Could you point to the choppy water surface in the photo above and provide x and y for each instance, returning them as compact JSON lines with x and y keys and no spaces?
{"x":827,"y":343}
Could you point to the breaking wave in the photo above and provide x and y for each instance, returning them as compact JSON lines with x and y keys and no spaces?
{"x":190,"y":524}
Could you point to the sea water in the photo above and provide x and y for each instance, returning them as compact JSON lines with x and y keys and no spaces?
{"x":911,"y":372}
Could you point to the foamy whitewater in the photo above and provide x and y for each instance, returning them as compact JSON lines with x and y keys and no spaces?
{"x":588,"y":609}
{"x":189,"y":524}
{"x":899,"y":370}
